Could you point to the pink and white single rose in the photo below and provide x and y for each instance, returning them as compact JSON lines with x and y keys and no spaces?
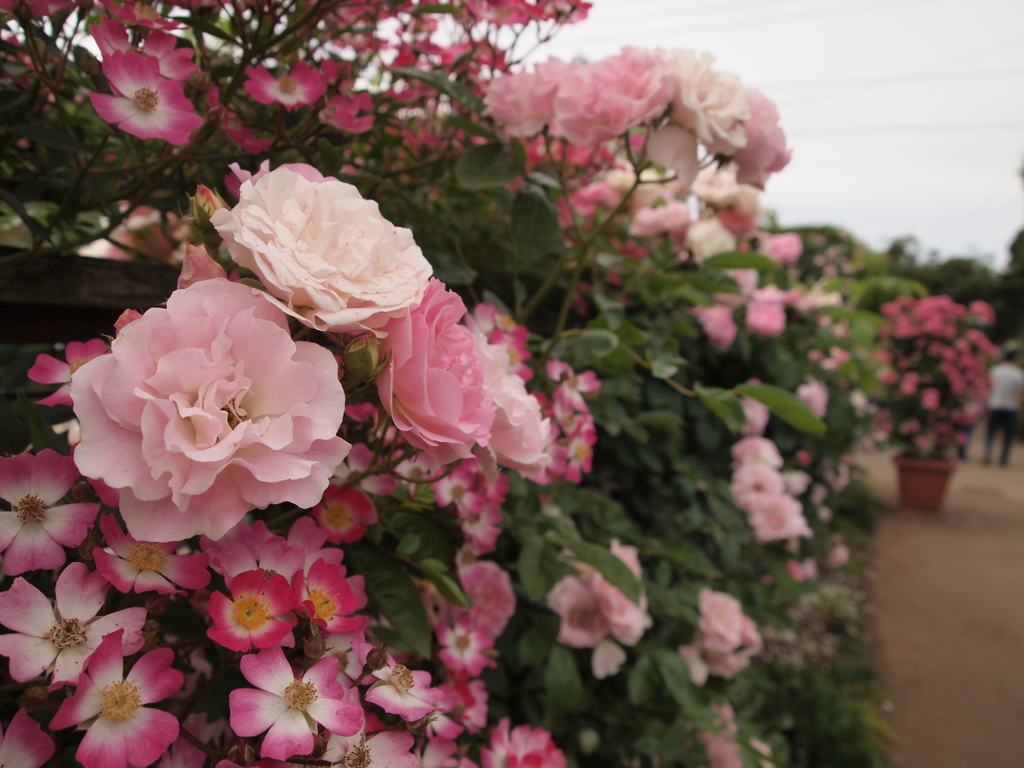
{"x":125,"y":731}
{"x":521,"y":747}
{"x":328,"y":256}
{"x":37,"y":527}
{"x":301,"y":86}
{"x":25,"y":745}
{"x":207,"y":409}
{"x":145,"y":566}
{"x":66,"y":634}
{"x":50,"y":370}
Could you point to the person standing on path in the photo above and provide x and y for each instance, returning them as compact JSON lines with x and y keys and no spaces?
{"x":1007,"y":383}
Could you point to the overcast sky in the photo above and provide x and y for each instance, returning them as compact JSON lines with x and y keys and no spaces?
{"x":906,"y":117}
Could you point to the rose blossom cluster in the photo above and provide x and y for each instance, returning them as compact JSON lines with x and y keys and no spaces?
{"x":934,"y":371}
{"x":726,"y":639}
{"x":595,"y":614}
{"x":679,"y":94}
{"x":759,"y":488}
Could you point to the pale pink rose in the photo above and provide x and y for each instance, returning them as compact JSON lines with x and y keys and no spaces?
{"x":796,"y":571}
{"x":675,"y":148}
{"x":607,"y":659}
{"x":766,"y":313}
{"x":602,"y":100}
{"x":814,"y":395}
{"x":709,"y":238}
{"x":433,"y":384}
{"x":718,"y":187}
{"x":765,"y":152}
{"x":324,"y":252}
{"x":756,"y":450}
{"x":583,"y":624}
{"x":626,"y":620}
{"x":838,"y":556}
{"x":711,"y":104}
{"x":737,"y":223}
{"x":717,"y":323}
{"x":785,"y":248}
{"x":520,"y":435}
{"x":673,"y":216}
{"x":781,"y":518}
{"x":754,"y":484}
{"x":797,"y":482}
{"x":721,"y":621}
{"x":524,"y":101}
{"x":757,"y":414}
{"x":490,"y":588}
{"x":207,"y":409}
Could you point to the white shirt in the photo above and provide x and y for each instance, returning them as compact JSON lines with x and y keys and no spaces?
{"x":1007,"y":380}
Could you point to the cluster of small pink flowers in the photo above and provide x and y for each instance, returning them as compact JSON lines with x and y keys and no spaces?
{"x":761,"y":490}
{"x":726,"y":639}
{"x":573,"y":433}
{"x":934,"y":371}
{"x":595,"y":614}
{"x":678,"y":93}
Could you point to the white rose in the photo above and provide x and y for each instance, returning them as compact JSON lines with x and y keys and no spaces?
{"x":323,"y":251}
{"x":711,"y":104}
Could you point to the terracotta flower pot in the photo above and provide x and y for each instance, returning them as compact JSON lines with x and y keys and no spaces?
{"x":923,"y":481}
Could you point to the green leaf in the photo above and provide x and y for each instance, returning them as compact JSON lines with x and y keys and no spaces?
{"x":439,"y":81}
{"x":390,"y":586}
{"x":740,"y":260}
{"x":331,"y":158}
{"x":487,"y":166}
{"x":430,"y":540}
{"x":615,"y":571}
{"x":536,"y":643}
{"x":586,"y":348}
{"x":539,"y":568}
{"x":724,"y":404}
{"x":42,"y":433}
{"x":676,"y":676}
{"x":642,"y":684}
{"x":562,"y":679}
{"x":535,"y":227}
{"x":30,"y":221}
{"x":435,"y":570}
{"x":472,"y":127}
{"x":785,"y":405}
{"x":50,"y":137}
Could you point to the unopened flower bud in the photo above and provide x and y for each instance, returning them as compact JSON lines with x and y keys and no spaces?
{"x":35,"y":697}
{"x":316,"y":645}
{"x":242,"y":753}
{"x":419,"y":726}
{"x":126,"y":317}
{"x":204,"y":204}
{"x":89,"y":63}
{"x":377,"y":658}
{"x":362,"y":358}
{"x":150,"y":639}
{"x":157,"y":605}
{"x":83,"y":491}
{"x":590,"y":740}
{"x":199,"y":81}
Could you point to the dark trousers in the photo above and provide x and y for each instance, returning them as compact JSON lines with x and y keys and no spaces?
{"x":1006,"y":421}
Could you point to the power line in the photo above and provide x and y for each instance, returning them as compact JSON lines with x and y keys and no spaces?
{"x":909,"y":128}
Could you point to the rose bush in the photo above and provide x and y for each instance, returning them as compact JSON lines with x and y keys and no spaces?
{"x":592,"y":520}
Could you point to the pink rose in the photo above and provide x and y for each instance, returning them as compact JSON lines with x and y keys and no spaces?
{"x":326,"y":254}
{"x":765,"y":152}
{"x":522,"y":747}
{"x":717,"y":323}
{"x":520,"y":435}
{"x":753,"y":484}
{"x":583,"y":624}
{"x":673,"y":217}
{"x":780,"y":518}
{"x":814,"y":395}
{"x":721,"y":621}
{"x":757,"y":414}
{"x":930,"y":398}
{"x":433,"y":385}
{"x":602,"y":100}
{"x":626,"y":620}
{"x":524,"y":101}
{"x":490,"y":588}
{"x":786,"y":248}
{"x":766,"y":314}
{"x":207,"y":409}
{"x":756,"y":450}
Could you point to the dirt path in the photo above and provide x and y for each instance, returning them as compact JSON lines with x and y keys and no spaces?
{"x":949,"y":618}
